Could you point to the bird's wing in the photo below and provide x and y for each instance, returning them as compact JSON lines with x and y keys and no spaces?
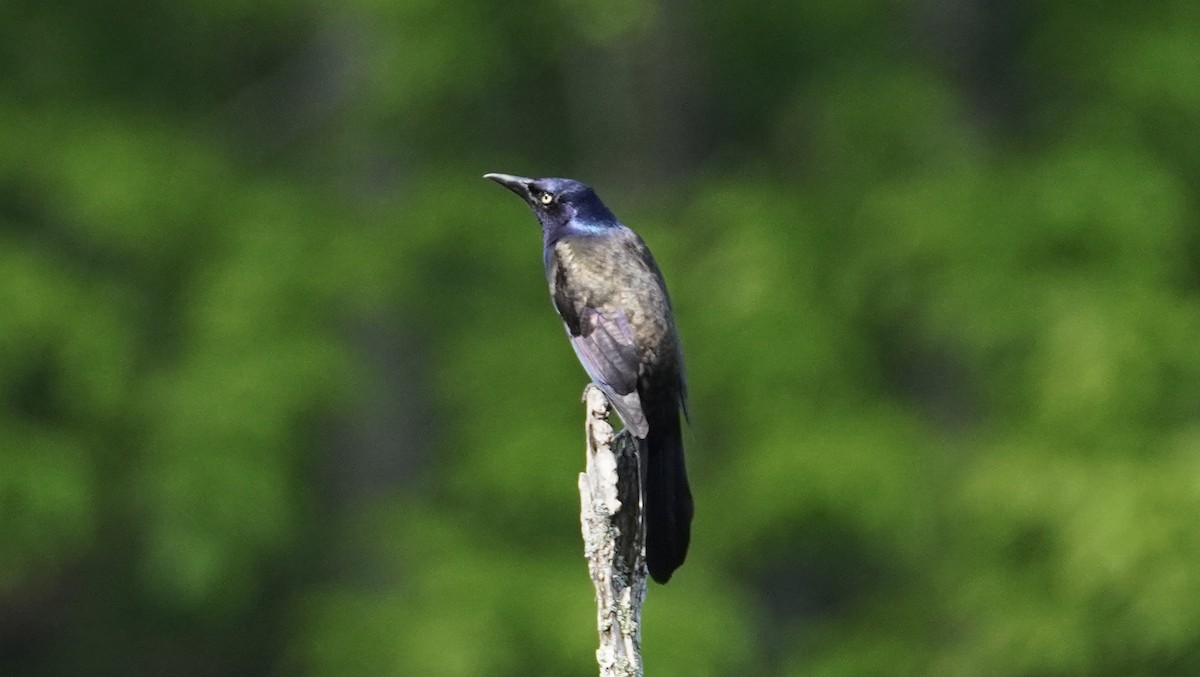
{"x":603,"y":340}
{"x":604,"y":344}
{"x":640,"y":252}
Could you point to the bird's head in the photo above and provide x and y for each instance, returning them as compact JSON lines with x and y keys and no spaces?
{"x":559,"y":203}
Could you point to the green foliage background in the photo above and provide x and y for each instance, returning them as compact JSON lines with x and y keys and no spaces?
{"x":283,"y":393}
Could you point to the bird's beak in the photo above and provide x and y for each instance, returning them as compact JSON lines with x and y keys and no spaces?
{"x":517,"y":184}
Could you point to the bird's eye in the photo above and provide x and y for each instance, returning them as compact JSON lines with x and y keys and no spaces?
{"x":546,"y":198}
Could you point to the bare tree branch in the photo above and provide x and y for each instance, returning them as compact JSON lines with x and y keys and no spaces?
{"x":613,"y":538}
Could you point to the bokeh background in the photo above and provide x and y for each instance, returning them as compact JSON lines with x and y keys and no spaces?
{"x":283,"y":392}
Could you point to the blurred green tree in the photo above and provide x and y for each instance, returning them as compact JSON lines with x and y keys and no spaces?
{"x":282,"y":392}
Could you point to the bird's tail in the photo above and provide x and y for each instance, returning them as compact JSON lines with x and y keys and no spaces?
{"x":668,"y":499}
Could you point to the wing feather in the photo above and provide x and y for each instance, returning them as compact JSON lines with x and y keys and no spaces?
{"x":605,"y":348}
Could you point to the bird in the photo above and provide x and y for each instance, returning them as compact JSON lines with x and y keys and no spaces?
{"x":613,"y":301}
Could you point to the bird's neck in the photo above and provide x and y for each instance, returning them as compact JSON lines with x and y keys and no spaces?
{"x":578,"y":227}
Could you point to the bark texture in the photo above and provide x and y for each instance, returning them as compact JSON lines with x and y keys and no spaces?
{"x":613,"y":538}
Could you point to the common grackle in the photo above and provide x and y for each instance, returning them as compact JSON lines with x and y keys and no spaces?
{"x":612,"y":299}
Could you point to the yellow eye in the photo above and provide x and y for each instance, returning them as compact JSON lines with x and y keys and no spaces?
{"x":546,"y":198}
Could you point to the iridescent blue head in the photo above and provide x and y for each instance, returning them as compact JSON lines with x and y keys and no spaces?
{"x":563,"y":206}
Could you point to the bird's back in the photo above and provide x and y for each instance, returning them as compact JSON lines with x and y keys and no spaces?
{"x":612,"y":273}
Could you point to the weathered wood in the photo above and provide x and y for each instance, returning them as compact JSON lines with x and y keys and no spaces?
{"x":613,"y":538}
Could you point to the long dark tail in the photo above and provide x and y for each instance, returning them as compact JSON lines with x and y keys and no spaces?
{"x":668,"y":498}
